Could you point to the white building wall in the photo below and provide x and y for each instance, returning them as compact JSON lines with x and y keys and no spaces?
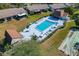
{"x":15,"y":40}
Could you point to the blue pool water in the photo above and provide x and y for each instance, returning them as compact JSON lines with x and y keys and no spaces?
{"x":44,"y":25}
{"x":52,"y":18}
{"x":55,"y":18}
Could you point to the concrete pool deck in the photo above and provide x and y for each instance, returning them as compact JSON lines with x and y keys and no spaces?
{"x":27,"y":33}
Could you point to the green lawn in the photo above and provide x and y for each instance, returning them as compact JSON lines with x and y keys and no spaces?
{"x":50,"y":46}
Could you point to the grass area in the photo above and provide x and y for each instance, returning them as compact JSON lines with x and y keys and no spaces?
{"x":50,"y":46}
{"x":30,"y":48}
{"x":37,"y":16}
{"x":19,"y":25}
{"x":76,"y":12}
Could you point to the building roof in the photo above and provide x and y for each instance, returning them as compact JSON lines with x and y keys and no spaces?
{"x":37,"y":7}
{"x":11,"y":12}
{"x":70,"y":4}
{"x":60,"y":5}
{"x":14,"y":34}
{"x":57,"y":5}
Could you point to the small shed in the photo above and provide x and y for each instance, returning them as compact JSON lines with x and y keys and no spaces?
{"x":12,"y":36}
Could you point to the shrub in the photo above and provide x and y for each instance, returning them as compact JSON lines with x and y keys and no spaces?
{"x":34,"y":37}
{"x":69,"y":10}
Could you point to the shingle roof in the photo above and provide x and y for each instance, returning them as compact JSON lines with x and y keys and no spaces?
{"x":37,"y":7}
{"x":70,"y":4}
{"x":61,"y":5}
{"x":14,"y":34}
{"x":57,"y":5}
{"x":11,"y":12}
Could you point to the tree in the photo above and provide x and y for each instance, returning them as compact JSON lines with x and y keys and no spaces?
{"x":77,"y":5}
{"x":7,"y":47}
{"x":77,"y":22}
{"x":30,"y":48}
{"x":12,"y":5}
{"x":76,"y":18}
{"x":69,"y":10}
{"x":34,"y":37}
{"x":19,"y":4}
{"x":5,"y":5}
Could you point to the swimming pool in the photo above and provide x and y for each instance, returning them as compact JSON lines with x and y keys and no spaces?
{"x":44,"y":25}
{"x":42,"y":28}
